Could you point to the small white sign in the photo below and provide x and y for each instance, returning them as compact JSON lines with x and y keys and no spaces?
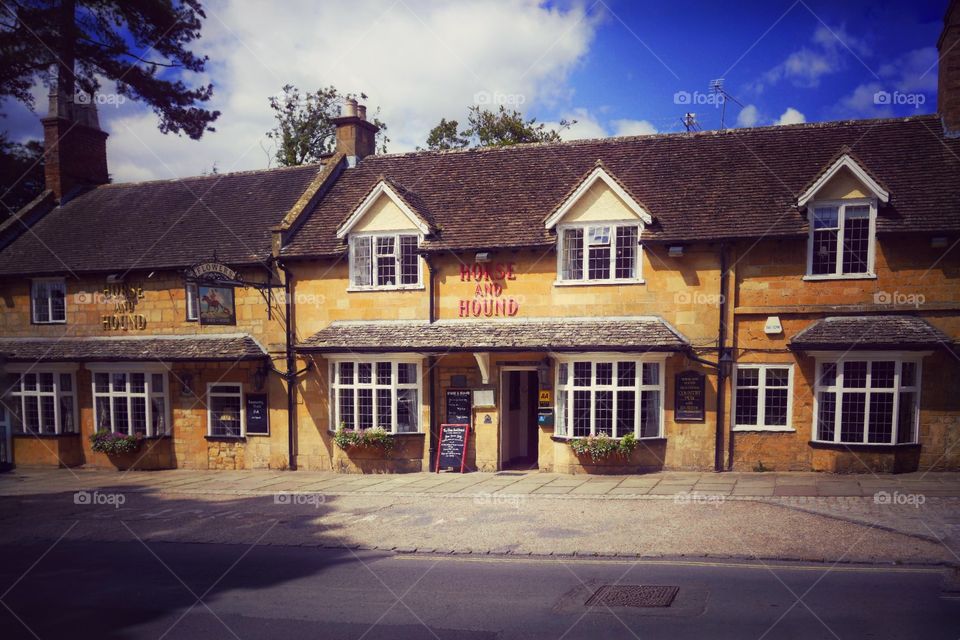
{"x":483,"y":398}
{"x":773,"y":326}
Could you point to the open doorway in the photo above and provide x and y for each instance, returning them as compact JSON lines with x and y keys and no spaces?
{"x":518,"y":419}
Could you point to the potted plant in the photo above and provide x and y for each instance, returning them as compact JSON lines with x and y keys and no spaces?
{"x":602,"y":446}
{"x":115,"y":443}
{"x":372,"y":438}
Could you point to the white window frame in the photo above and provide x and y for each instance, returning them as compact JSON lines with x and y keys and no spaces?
{"x":34,"y":300}
{"x":238,"y":393}
{"x":762,"y":399}
{"x":373,"y":286}
{"x":192,"y":299}
{"x":638,"y":388}
{"x":148,"y":393}
{"x":842,"y":205}
{"x":837,"y":388}
{"x":21,"y":395}
{"x":585,"y":228}
{"x":394,"y":360}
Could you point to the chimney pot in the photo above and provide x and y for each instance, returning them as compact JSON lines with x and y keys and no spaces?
{"x":349,"y":108}
{"x":362,"y":111}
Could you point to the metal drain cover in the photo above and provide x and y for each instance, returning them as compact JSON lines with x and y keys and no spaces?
{"x":633,"y":595}
{"x":511,"y":473}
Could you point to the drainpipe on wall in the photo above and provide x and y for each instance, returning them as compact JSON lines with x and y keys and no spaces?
{"x":431,"y":360}
{"x":721,"y":373}
{"x":291,"y":375}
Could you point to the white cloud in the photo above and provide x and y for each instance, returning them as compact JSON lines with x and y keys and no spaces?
{"x":749,"y":116}
{"x":791,"y":116}
{"x":828,"y":53}
{"x":418,"y":60}
{"x":633,"y":128}
{"x":588,"y":126}
{"x":909,"y":82}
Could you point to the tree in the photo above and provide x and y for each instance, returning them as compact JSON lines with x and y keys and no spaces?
{"x":305,"y":129}
{"x":74,"y":43}
{"x":21,"y":174}
{"x":488,"y":128}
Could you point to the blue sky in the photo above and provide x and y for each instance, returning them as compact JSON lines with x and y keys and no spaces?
{"x":618,"y":67}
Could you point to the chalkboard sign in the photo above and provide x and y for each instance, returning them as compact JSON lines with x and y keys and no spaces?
{"x":459,"y":406}
{"x":688,"y":397}
{"x":258,"y":414}
{"x":452,"y":450}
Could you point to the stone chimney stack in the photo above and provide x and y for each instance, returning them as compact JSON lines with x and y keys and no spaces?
{"x":75,"y":148}
{"x":356,"y":137}
{"x":948,"y":80}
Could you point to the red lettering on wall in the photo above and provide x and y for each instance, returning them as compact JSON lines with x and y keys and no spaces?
{"x":488,"y":300}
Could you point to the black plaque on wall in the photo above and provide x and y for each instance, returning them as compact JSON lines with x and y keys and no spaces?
{"x":459,"y":406}
{"x":258,"y":414}
{"x":688,"y":400}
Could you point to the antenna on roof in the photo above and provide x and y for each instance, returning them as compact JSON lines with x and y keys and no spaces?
{"x":690,"y":122}
{"x":716,"y":88}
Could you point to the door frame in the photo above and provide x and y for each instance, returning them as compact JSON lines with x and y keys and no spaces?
{"x":501,"y":409}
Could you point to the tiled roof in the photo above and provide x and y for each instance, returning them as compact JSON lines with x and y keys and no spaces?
{"x":869,"y":332}
{"x":218,"y":347}
{"x":718,"y":184}
{"x":161,"y":224}
{"x":547,"y":334}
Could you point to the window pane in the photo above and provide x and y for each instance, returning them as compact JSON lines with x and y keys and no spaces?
{"x":854,"y":375}
{"x":409,"y":261}
{"x":346,"y":373}
{"x":881,"y":374}
{"x":346,"y":408}
{"x":560,"y":420}
{"x":46,"y":382}
{"x":880,"y":427}
{"x":908,"y":374}
{"x":824,"y":252}
{"x":364,"y":373}
{"x":101,"y":383}
{"x":118,"y":382}
{"x":598,"y":262}
{"x":907,"y":417}
{"x":225,"y":388}
{"x":777,"y":377}
{"x":649,"y":414}
{"x":651,"y":373}
{"x":406,"y":373}
{"x":748,"y":377}
{"x":626,"y":252}
{"x":605,"y":373}
{"x":158,"y":416}
{"x":626,"y":411}
{"x":603,"y":413}
{"x":29,"y":382}
{"x":826,"y":218}
{"x":31,"y":414}
{"x":361,"y":261}
{"x":581,"y":374}
{"x":156,"y":383}
{"x":67,"y":422}
{"x":66,"y":383}
{"x":138,"y":382}
{"x":138,"y":415}
{"x":225,"y":415}
{"x":852,"y":413}
{"x":385,"y":409}
{"x":408,"y":409}
{"x":386,"y":262}
{"x":826,"y":415}
{"x":365,"y":408}
{"x":121,"y":418}
{"x":856,"y":239}
{"x":828,"y":374}
{"x":383,"y":373}
{"x":573,"y":254}
{"x":562,"y":373}
{"x":581,"y":413}
{"x":58,"y":311}
{"x":597,"y":236}
{"x":746,"y":406}
{"x":775,"y":407}
{"x":626,"y":374}
{"x":48,"y":419}
{"x":193,"y":301}
{"x":41,"y":304}
{"x":103,"y":414}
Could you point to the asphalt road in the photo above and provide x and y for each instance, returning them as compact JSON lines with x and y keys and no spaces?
{"x":171,"y":590}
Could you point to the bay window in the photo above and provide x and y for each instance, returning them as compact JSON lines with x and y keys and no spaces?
{"x":762,"y":397}
{"x":44,"y":402}
{"x":841,"y":238}
{"x":611,"y":396}
{"x":861,"y":400}
{"x":384,"y":261}
{"x":131,"y":401}
{"x":605,"y":252}
{"x":376,"y":393}
{"x":47,"y":301}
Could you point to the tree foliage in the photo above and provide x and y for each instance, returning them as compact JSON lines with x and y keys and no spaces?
{"x":305,"y":129}
{"x":486,"y":128}
{"x":140,"y":45}
{"x":21,"y":174}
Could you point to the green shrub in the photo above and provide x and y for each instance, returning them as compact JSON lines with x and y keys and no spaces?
{"x":115,"y":442}
{"x":602,"y":447}
{"x":374,"y":437}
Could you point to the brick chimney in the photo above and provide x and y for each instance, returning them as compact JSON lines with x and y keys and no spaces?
{"x":75,"y":148}
{"x":948,"y":80}
{"x":356,"y":137}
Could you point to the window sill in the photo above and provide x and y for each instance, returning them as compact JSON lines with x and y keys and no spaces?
{"x":569,"y":438}
{"x":596,"y":283}
{"x":764,"y":430}
{"x":40,"y":324}
{"x":862,"y":446}
{"x":225,"y":438}
{"x":407,"y":287}
{"x":27,"y":434}
{"x":850,"y":276}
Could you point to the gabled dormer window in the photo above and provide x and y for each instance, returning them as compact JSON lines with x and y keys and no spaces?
{"x":599,"y":252}
{"x":384,"y":261}
{"x":841,"y":238}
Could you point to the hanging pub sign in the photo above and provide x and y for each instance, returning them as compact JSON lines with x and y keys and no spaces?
{"x":216,"y":284}
{"x":688,"y":397}
{"x":212,"y":271}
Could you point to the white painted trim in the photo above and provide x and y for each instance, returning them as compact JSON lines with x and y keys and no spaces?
{"x":483,"y":363}
{"x":375,"y":260}
{"x":840,"y":276}
{"x":844,"y":161}
{"x":56,"y":394}
{"x":761,"y":397}
{"x":49,"y":301}
{"x":334,"y":386}
{"x":381,"y":189}
{"x":841,"y":222}
{"x":585,"y":250}
{"x":598,"y":174}
{"x":149,"y":393}
{"x":243,"y":413}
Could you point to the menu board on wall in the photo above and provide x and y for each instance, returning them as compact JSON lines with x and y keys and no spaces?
{"x":258,"y":414}
{"x":688,"y":397}
{"x":459,"y":406}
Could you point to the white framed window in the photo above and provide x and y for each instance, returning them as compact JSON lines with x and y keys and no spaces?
{"x":862,"y":399}
{"x":385,"y":261}
{"x":610,"y":395}
{"x":131,"y":400}
{"x":763,"y":397}
{"x":225,"y":415}
{"x":376,"y":392}
{"x":48,"y":300}
{"x":44,"y":401}
{"x":599,"y":252}
{"x":842,"y":238}
{"x":192,"y":301}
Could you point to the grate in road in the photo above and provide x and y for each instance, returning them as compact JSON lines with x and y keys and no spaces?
{"x":633,"y":595}
{"x":510,"y":473}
